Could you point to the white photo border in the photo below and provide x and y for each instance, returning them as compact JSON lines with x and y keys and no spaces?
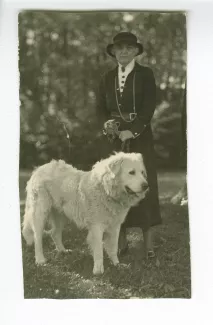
{"x":197,"y":310}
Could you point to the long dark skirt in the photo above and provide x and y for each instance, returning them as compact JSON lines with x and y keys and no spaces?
{"x":147,"y":213}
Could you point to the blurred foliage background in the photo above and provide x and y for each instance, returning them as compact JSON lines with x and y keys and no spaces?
{"x":61,"y":58}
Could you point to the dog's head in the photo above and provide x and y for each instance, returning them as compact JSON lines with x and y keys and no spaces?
{"x":123,"y":173}
{"x":133,"y":176}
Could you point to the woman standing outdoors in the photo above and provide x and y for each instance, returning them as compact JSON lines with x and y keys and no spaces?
{"x":127,"y":94}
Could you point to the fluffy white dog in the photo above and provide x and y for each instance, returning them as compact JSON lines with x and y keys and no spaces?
{"x":97,"y":200}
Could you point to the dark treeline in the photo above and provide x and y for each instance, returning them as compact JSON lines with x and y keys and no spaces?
{"x":61,"y":58}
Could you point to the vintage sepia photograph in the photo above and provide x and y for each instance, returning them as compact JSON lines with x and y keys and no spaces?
{"x":103,"y":154}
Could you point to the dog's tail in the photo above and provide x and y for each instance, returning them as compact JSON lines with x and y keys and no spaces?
{"x":27,"y":230}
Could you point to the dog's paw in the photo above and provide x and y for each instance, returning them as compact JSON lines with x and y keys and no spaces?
{"x":47,"y":232}
{"x":98,"y":268}
{"x":123,"y":266}
{"x":41,"y":261}
{"x":114,"y":260}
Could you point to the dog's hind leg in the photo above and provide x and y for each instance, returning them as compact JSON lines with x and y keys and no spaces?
{"x":95,"y":241}
{"x":57,"y":222}
{"x":111,"y":244}
{"x":42,"y":210}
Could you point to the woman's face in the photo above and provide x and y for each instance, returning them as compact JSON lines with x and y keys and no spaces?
{"x":124,"y":53}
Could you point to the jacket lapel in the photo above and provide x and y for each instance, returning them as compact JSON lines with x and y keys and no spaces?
{"x":116,"y":83}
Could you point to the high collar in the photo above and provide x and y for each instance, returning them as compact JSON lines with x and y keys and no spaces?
{"x":128,"y":68}
{"x":115,"y":70}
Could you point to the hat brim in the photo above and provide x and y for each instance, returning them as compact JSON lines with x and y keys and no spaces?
{"x":138,"y":45}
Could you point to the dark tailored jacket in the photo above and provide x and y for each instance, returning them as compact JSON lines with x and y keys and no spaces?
{"x":147,"y":213}
{"x":145,"y":97}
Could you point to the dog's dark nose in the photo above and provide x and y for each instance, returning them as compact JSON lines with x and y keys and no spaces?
{"x":144,"y":186}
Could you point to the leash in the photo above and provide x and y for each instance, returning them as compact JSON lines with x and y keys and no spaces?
{"x":125,"y":146}
{"x":67,"y":134}
{"x":65,"y":130}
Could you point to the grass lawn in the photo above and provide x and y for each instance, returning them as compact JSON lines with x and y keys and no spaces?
{"x":69,"y":275}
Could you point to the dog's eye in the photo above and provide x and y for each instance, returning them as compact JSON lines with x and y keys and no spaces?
{"x":132,"y":172}
{"x":143,"y":173}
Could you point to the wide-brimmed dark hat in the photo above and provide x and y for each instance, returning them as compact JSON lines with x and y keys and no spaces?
{"x":127,"y":38}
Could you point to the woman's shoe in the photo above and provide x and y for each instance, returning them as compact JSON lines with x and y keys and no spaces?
{"x":150,"y":254}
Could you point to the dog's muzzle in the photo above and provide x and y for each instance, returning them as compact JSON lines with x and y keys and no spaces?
{"x":144,"y":190}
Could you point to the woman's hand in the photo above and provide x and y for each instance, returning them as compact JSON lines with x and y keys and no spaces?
{"x":125,"y":135}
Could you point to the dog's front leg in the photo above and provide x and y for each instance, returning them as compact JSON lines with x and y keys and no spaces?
{"x":95,"y":241}
{"x":111,"y":243}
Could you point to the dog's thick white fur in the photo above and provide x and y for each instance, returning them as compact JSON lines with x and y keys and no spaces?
{"x":97,"y":200}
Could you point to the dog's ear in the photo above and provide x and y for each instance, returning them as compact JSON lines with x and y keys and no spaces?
{"x":139,"y":156}
{"x":106,"y":172}
{"x":115,"y":165}
{"x":110,"y":178}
